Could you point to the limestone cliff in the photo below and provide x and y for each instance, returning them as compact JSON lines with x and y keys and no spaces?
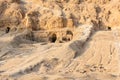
{"x":61,"y":13}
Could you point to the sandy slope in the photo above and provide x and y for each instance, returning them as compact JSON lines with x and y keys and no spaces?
{"x":46,"y":40}
{"x":80,"y":59}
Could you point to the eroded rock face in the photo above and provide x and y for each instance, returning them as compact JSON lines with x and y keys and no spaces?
{"x":67,"y":12}
{"x":12,"y":14}
{"x":49,"y":38}
{"x":73,"y":12}
{"x":3,"y":6}
{"x":55,"y":22}
{"x":61,"y":13}
{"x":14,"y":1}
{"x":31,"y":20}
{"x":58,"y":14}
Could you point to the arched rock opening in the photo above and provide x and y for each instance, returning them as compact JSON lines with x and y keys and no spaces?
{"x":7,"y":30}
{"x":53,"y":38}
{"x":109,"y":28}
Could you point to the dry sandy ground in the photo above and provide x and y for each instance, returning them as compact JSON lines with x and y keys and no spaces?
{"x":86,"y":57}
{"x":70,"y":51}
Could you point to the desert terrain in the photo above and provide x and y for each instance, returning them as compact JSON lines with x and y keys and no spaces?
{"x":59,"y":40}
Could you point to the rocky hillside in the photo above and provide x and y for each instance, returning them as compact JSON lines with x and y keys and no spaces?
{"x":59,"y":39}
{"x":50,"y":14}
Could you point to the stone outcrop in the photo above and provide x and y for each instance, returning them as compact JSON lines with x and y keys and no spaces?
{"x":46,"y":39}
{"x":62,"y":13}
{"x":11,"y":13}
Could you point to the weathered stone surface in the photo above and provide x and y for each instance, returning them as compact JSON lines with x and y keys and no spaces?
{"x":59,"y":39}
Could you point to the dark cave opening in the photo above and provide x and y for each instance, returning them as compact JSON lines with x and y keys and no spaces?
{"x":7,"y":30}
{"x":109,"y":28}
{"x":53,"y":38}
